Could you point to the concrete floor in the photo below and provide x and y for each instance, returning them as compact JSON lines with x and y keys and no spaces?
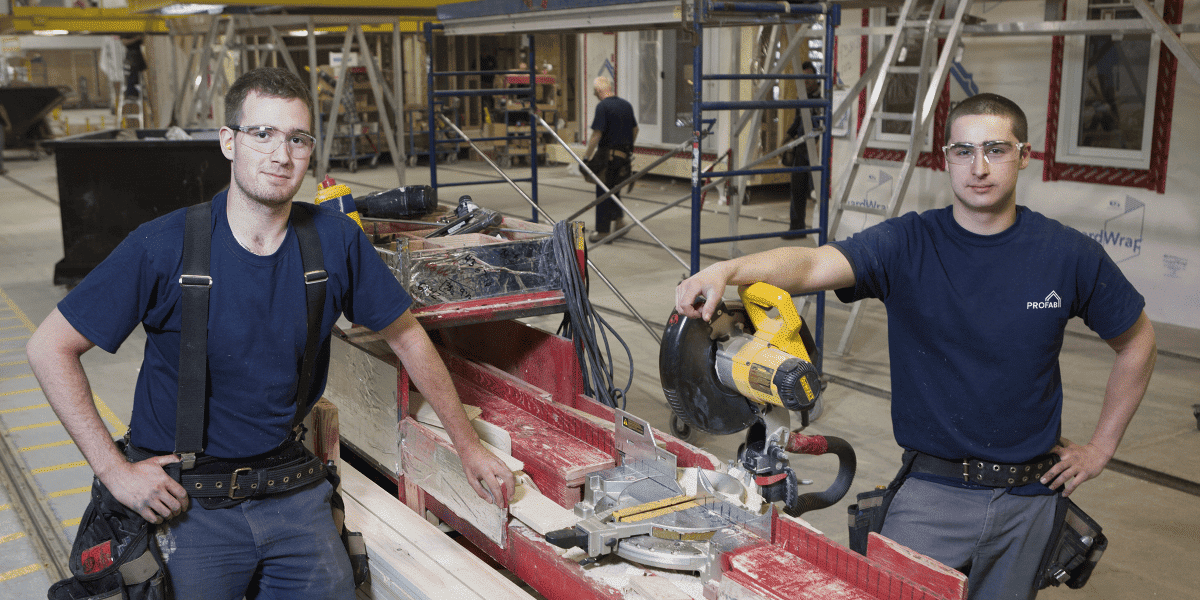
{"x":1154,"y":530}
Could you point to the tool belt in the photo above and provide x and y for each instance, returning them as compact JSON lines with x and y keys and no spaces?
{"x":289,"y":467}
{"x":981,"y":472}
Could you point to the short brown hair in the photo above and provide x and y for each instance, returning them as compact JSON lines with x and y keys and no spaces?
{"x":265,"y":81}
{"x":991,"y":104}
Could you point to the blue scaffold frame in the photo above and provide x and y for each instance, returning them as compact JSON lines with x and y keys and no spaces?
{"x":437,"y":98}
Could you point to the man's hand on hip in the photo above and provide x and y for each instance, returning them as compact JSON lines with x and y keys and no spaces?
{"x":147,"y":489}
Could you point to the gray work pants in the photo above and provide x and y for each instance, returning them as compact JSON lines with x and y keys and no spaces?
{"x":995,"y":537}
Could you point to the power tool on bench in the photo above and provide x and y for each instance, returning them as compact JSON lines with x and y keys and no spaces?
{"x":651,"y":512}
{"x":745,"y":370}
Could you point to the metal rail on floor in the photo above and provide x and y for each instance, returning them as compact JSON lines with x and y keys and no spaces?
{"x":437,"y":99}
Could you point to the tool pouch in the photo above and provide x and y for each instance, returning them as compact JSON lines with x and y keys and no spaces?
{"x":115,"y":555}
{"x":356,"y":548}
{"x":1074,"y":549}
{"x":867,"y":514}
{"x":598,"y":163}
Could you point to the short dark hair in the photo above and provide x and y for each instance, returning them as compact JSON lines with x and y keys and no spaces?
{"x":265,"y":81}
{"x":991,"y":104}
{"x":808,"y":65}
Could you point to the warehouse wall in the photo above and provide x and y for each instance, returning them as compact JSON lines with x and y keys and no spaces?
{"x":1154,"y":237}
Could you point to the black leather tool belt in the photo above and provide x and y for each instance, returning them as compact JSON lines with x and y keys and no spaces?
{"x":287,"y":468}
{"x":981,"y":472}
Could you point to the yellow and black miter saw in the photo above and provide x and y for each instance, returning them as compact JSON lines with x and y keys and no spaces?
{"x":721,"y":378}
{"x":745,"y":371}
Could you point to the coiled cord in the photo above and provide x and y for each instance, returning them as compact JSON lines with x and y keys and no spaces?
{"x":581,"y":324}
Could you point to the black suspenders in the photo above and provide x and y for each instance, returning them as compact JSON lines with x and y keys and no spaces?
{"x":193,"y":344}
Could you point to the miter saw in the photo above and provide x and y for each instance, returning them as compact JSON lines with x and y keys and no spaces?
{"x":651,"y":512}
{"x":745,"y":370}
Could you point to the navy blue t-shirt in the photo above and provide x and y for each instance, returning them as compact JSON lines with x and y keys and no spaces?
{"x":257,"y":323}
{"x":976,"y":323}
{"x":615,"y":121}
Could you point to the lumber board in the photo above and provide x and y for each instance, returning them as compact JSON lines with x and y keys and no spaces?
{"x":536,"y":511}
{"x":409,"y":557}
{"x":431,"y":464}
{"x":512,"y":463}
{"x":769,"y":573}
{"x":558,"y":462}
{"x":487,"y":432}
{"x":910,"y":564}
{"x":363,"y":387}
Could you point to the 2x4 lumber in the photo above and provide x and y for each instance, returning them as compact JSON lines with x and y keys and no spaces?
{"x":430,"y":463}
{"x":411,"y":558}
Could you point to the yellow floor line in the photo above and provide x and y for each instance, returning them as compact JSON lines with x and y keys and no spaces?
{"x":71,"y":492}
{"x":105,"y":413}
{"x":12,"y":363}
{"x":33,"y":426}
{"x":71,"y":522}
{"x":12,"y":327}
{"x":15,"y":376}
{"x":20,"y":316}
{"x":46,"y":445}
{"x":52,"y":468}
{"x":15,"y":573}
{"x":25,"y":391}
{"x":15,"y":337}
{"x":12,"y":536}
{"x":4,"y":507}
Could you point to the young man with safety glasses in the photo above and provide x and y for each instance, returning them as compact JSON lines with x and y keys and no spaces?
{"x":266,"y":536}
{"x":978,"y":295}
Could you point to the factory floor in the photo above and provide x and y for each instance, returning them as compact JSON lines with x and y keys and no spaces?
{"x":1146,"y":501}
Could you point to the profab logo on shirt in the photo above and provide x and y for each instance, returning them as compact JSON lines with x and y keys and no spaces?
{"x":1051,"y":301}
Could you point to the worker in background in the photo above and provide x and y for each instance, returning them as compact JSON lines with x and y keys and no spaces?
{"x":281,"y":545}
{"x":610,"y":148}
{"x":802,"y":182}
{"x":978,"y":295}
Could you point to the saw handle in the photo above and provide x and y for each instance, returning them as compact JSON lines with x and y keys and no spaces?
{"x":759,"y":297}
{"x":817,"y":445}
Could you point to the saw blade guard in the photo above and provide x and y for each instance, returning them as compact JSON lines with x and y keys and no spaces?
{"x":687,"y":368}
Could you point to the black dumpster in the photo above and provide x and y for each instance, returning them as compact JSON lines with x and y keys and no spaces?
{"x":27,"y":108}
{"x":108,"y":186}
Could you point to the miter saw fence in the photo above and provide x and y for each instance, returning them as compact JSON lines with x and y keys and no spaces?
{"x":650,"y":512}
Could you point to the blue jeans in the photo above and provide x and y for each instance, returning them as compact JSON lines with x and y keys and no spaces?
{"x":281,"y":546}
{"x":994,"y":536}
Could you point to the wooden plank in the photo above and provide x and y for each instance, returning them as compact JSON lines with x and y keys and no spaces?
{"x":653,"y":587}
{"x":773,"y":574}
{"x":409,"y":557}
{"x":557,"y":462}
{"x":538,"y":512}
{"x":430,"y":463}
{"x":938,"y":578}
{"x":487,"y":432}
{"x":363,"y":387}
{"x":322,"y":424}
{"x":423,"y":412}
{"x":513,"y":464}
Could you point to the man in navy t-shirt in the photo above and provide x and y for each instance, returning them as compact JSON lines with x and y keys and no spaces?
{"x":281,"y":544}
{"x":978,"y":295}
{"x":614,"y":130}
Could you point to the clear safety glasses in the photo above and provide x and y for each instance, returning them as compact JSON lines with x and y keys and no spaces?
{"x":993,"y":152}
{"x":266,"y":139}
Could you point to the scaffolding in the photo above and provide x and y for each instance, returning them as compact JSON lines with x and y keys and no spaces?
{"x":496,"y":16}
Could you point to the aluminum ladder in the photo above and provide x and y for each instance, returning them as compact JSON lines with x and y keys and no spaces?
{"x":918,"y":21}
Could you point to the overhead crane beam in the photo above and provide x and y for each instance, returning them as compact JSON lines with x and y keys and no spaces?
{"x":28,"y":19}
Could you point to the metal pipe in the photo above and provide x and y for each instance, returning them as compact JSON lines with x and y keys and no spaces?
{"x":615,"y":198}
{"x":550,"y":220}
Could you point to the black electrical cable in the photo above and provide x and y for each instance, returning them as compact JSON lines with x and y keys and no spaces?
{"x":581,"y":324}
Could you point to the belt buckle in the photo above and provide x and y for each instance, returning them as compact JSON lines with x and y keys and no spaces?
{"x":233,"y":484}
